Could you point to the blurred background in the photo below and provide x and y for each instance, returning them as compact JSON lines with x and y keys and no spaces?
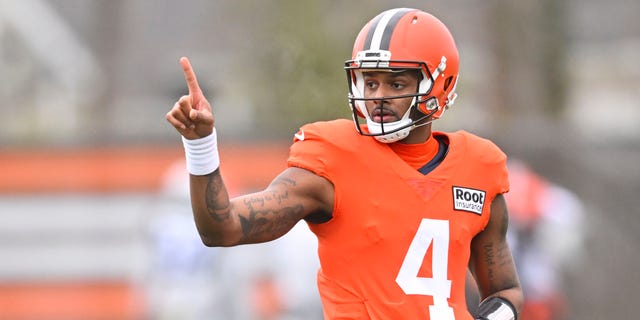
{"x":95,"y":220}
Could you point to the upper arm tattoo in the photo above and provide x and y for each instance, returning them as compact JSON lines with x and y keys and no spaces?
{"x":496,"y":256}
{"x":268,"y":218}
{"x":284,"y":181}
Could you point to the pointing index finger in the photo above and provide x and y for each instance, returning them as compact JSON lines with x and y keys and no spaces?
{"x":192,"y":82}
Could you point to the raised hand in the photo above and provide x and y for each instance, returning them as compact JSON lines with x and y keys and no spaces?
{"x":191,"y":115}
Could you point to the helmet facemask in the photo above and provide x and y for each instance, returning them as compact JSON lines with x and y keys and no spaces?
{"x":422,"y":106}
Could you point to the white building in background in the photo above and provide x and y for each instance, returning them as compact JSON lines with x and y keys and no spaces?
{"x":49,"y":74}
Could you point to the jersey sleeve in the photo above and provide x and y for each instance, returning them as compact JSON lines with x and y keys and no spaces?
{"x":502,"y":176}
{"x":309,"y":151}
{"x":324,"y":148}
{"x":498,"y":160}
{"x":494,"y":161}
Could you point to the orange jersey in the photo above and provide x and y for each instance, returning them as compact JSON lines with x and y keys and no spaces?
{"x":398,"y":244}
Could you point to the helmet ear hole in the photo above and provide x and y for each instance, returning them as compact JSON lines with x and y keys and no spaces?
{"x":447,"y":82}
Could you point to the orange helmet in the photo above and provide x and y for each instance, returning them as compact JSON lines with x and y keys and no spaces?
{"x":400,"y":39}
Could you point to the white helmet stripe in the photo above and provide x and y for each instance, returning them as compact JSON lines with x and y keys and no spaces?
{"x":383,"y":29}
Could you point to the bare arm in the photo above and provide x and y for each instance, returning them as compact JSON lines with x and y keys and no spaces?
{"x":257,"y":217}
{"x":491,"y":262}
{"x":260,"y":216}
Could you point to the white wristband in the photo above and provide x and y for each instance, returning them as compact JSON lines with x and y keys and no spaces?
{"x":202,"y":154}
{"x":496,"y":308}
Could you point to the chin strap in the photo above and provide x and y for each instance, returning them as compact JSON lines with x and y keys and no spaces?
{"x":496,"y":308}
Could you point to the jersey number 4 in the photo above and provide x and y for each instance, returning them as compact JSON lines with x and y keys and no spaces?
{"x":431,"y":233}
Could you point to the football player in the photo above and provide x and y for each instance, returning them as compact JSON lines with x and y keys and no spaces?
{"x":400,"y":211}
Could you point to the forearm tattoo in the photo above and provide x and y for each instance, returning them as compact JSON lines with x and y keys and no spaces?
{"x":218,"y":204}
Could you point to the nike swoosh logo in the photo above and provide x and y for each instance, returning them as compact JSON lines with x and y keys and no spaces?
{"x":299,"y":135}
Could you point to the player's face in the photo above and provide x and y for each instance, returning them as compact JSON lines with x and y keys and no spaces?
{"x":378,"y":84}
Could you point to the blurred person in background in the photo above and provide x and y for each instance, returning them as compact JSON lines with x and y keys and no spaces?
{"x":179,"y":266}
{"x":270,"y":281}
{"x":399,"y":211}
{"x":546,"y":235}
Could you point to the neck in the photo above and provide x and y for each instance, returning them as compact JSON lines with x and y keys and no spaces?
{"x":416,"y":154}
{"x":418,"y":135}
